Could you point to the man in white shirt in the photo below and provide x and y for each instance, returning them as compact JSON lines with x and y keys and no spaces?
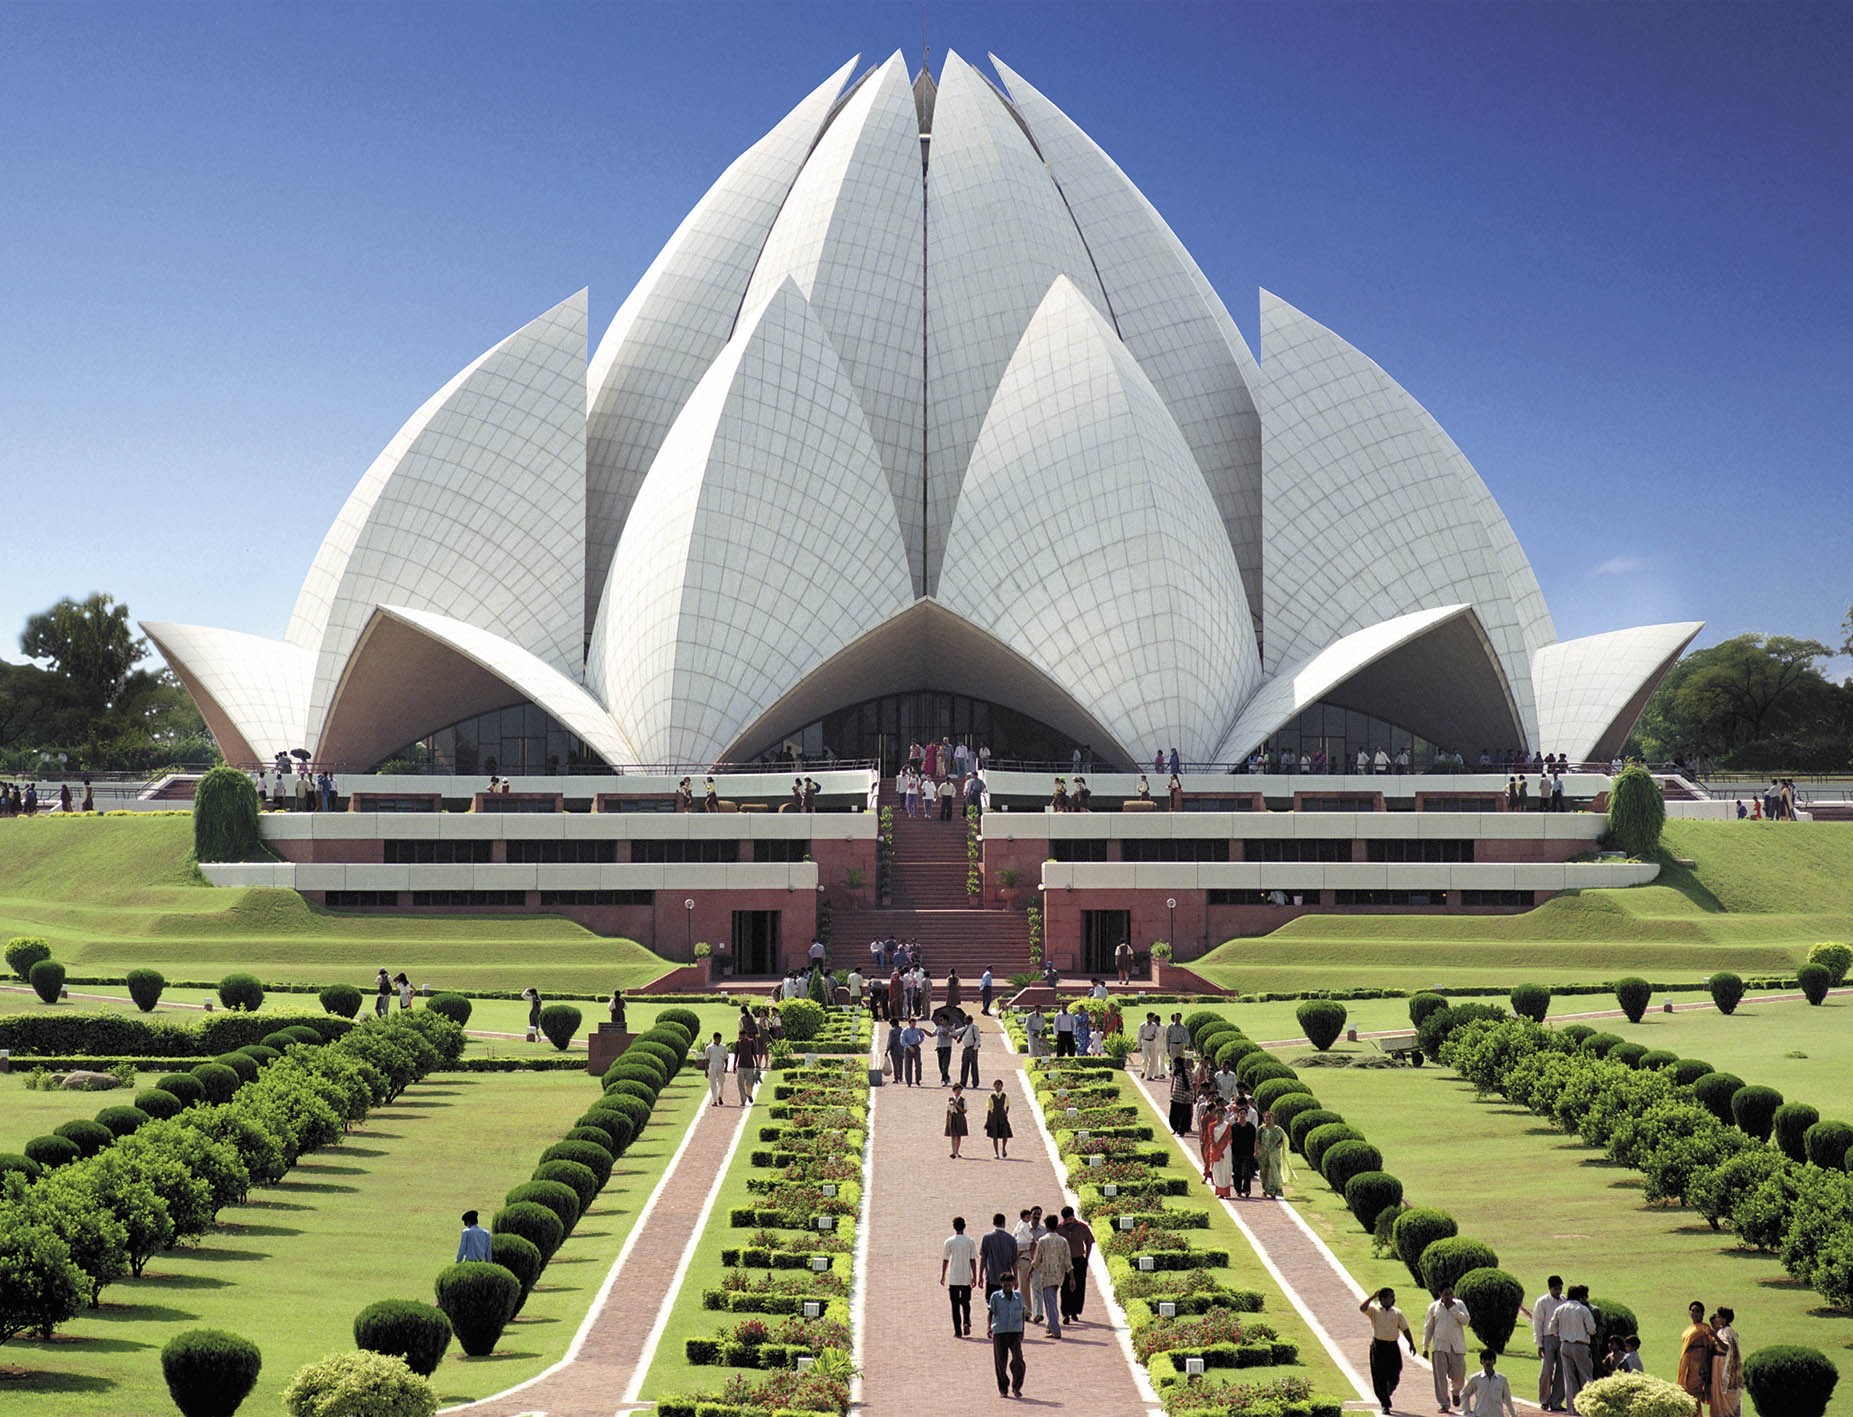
{"x":1032,"y":1030}
{"x":1550,"y":1375}
{"x":715,"y":1055}
{"x":958,"y":1271}
{"x":1064,"y":1034}
{"x":817,"y":954}
{"x":1444,"y":1344}
{"x":1487,"y":1393}
{"x":1227,"y":1081}
{"x":854,"y":983}
{"x":1149,"y":1034}
{"x":966,"y":1040}
{"x":1575,"y":1327}
{"x":1099,"y":991}
{"x":1027,"y":1233}
{"x":1177,"y":1039}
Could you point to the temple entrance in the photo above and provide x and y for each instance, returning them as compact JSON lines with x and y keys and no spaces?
{"x":1101,"y":933}
{"x":756,"y":941}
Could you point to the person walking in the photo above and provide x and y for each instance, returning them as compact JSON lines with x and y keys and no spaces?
{"x":746,"y":1061}
{"x":985,"y":983}
{"x":1064,"y":1034}
{"x":1214,"y":1141}
{"x":716,"y":1055}
{"x":1177,"y":1039}
{"x":404,"y":986}
{"x":1697,"y":1348}
{"x":531,"y":994}
{"x":997,"y":1260}
{"x":1150,"y":1043}
{"x":382,"y":998}
{"x":1244,"y":1128}
{"x":1575,"y":1327}
{"x":967,"y":1039}
{"x":958,"y":1271}
{"x":1122,"y":961}
{"x":1271,"y":1156}
{"x":1550,"y":1371}
{"x":1487,"y":1393}
{"x":997,"y":1121}
{"x":942,"y":1045}
{"x":1183,"y":1097}
{"x":1444,"y":1344}
{"x":895,"y":1048}
{"x":956,"y":1127}
{"x":475,"y":1243}
{"x":911,"y":1038}
{"x":1727,"y":1374}
{"x":1080,"y":1237}
{"x":955,"y":989}
{"x":1049,"y":1265}
{"x":1006,"y":1313}
{"x":1386,"y":1359}
{"x":1027,"y":1232}
{"x":1033,"y":1024}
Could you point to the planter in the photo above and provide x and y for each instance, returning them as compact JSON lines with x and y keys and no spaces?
{"x":1008,"y":895}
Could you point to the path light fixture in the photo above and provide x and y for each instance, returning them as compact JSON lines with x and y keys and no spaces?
{"x":688,"y":926}
{"x":1125,"y":1222}
{"x":1147,"y":1264}
{"x":1167,"y":1309}
{"x":813,"y":1309}
{"x":1096,"y":1160}
{"x":1171,"y":929}
{"x":820,"y":1263}
{"x":826,"y":1222}
{"x":1193,"y":1367}
{"x":1110,"y":1190}
{"x":829,"y":1189}
{"x":1082,"y":1136}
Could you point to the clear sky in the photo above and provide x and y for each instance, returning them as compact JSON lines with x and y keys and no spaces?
{"x":1605,"y":244}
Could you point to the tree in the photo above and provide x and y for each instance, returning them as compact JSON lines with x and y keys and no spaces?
{"x":1762,"y":697}
{"x":90,"y":646}
{"x":39,"y":1286}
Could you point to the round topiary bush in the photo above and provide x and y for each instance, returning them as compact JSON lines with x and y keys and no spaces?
{"x":1416,"y":1229}
{"x":241,"y":1063}
{"x":581,"y":1180}
{"x":158,"y":1103}
{"x":1656,"y":1058}
{"x":1493,"y":1299}
{"x":1633,"y":994}
{"x":626,"y":1087}
{"x":633,"y":1109}
{"x":1199,"y":1019}
{"x":1753,"y":1109}
{"x":521,"y":1258}
{"x":1304,"y":1123}
{"x":1271,"y":1090}
{"x":1715,"y":1091}
{"x":670,"y":1058}
{"x":418,"y":1333}
{"x":558,"y":1024}
{"x":219,"y":1081}
{"x":1825,"y":1143}
{"x":1260,"y":1068}
{"x":1231,"y":1051}
{"x":261,"y":1054}
{"x":1628,"y":1054}
{"x":1575,"y":1033}
{"x":24,"y":951}
{"x":359,"y":1385}
{"x":1687,"y":1071}
{"x":1210,"y":1038}
{"x":1633,"y":1395}
{"x":279,"y":1041}
{"x":454,"y":1007}
{"x":52,"y":1151}
{"x":1369,"y":1193}
{"x":479,"y":1298}
{"x":1835,"y":958}
{"x":593,"y":1136}
{"x":688,"y":1019}
{"x":47,"y":980}
{"x":87,"y":1136}
{"x":225,"y":817}
{"x":615,"y":1125}
{"x":1727,"y":990}
{"x":596,"y":1159}
{"x":24,"y":1165}
{"x":649,"y":1075}
{"x":555,"y":1196}
{"x":802,"y":1019}
{"x":145,"y":986}
{"x":1815,"y":981}
{"x":1637,"y":812}
{"x":185,"y":1086}
{"x":1321,"y":1139}
{"x":1598,"y":1044}
{"x":302,"y":1033}
{"x":1424,"y":1003}
{"x":210,"y":1372}
{"x":1532,"y":1001}
{"x":1786,"y":1380}
{"x":1322,"y":1021}
{"x":1447,"y":1259}
{"x":1346,"y":1159}
{"x":1790,"y":1126}
{"x":123,"y":1121}
{"x":341,"y":1000}
{"x":242,"y":992}
{"x":538,"y":1224}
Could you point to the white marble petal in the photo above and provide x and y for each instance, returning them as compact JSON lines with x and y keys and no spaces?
{"x":252,"y":691}
{"x":1590,"y":692}
{"x":1086,"y":540}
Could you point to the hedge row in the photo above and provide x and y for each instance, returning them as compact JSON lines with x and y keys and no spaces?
{"x":73,"y":1033}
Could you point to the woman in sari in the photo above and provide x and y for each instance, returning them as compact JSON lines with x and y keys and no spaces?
{"x":1215,"y":1141}
{"x":1697,"y":1347}
{"x":1271,"y":1155}
{"x":1181,"y":1098}
{"x":1727,"y":1372}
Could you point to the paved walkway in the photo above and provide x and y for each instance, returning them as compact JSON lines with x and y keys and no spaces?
{"x":909,"y":1356}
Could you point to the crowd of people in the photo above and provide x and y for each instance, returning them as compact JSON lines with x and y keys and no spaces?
{"x":287,"y":785}
{"x":15,"y":802}
{"x":940,"y":776}
{"x":1032,"y":1273}
{"x":1776,"y":804}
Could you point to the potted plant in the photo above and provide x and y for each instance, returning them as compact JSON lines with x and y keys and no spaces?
{"x":856,"y":883}
{"x":1007,"y":891}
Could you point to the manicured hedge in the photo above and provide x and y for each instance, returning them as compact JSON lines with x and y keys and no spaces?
{"x":128,"y":1035}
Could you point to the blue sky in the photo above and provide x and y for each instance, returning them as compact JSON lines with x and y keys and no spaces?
{"x":1605,"y":244}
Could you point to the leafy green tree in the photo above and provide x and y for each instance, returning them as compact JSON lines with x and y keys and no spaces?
{"x":39,"y":1286}
{"x":1759,"y":698}
{"x":1637,"y":812}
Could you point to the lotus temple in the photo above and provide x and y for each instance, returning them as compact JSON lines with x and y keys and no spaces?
{"x":922,"y":425}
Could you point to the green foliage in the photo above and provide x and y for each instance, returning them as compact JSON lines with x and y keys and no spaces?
{"x":1492,"y":1298}
{"x":1448,"y":1258}
{"x":1416,"y":1229}
{"x":581,"y":1180}
{"x":1655,"y":1058}
{"x":184,"y":1086}
{"x":559,"y":1022}
{"x":1627,"y":1053}
{"x":209,"y":1372}
{"x":1727,"y":989}
{"x":47,"y":980}
{"x":803,"y":1018}
{"x":1754,"y":700}
{"x":1633,"y":994}
{"x":454,"y":1007}
{"x":1716,"y":1191}
{"x":122,"y":1121}
{"x":52,"y":1151}
{"x":1598,"y":1044}
{"x":1815,"y":980}
{"x":24,"y":951}
{"x":1233,"y":1048}
{"x":1271,"y":1090}
{"x":521,"y":1258}
{"x":1632,"y":1395}
{"x":11,"y":1161}
{"x":1532,"y":1001}
{"x":1286,"y":1109}
{"x":1753,"y":1109}
{"x":1835,"y":958}
{"x":479,"y":1298}
{"x":1320,"y":1139}
{"x":1637,"y":812}
{"x":1785,"y":1380}
{"x":359,"y":1385}
{"x":1715,"y":1093}
{"x":596,"y":1159}
{"x":242,"y":991}
{"x":225,"y":817}
{"x":538,"y":1224}
{"x":1305,"y":1123}
{"x":241,"y":1063}
{"x":145,"y":986}
{"x":1346,"y":1159}
{"x":1612,"y":1317}
{"x":1686,"y":1071}
{"x":1322,"y":1021}
{"x":1826,"y":1144}
{"x":1433,"y":1031}
{"x":407,"y":1329}
{"x":1368,"y":1194}
{"x":39,"y":1286}
{"x":1422,"y":1004}
{"x":88,"y":1137}
{"x":219,"y":1081}
{"x":342,"y":1000}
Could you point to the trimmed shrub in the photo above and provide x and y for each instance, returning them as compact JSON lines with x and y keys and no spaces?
{"x":1753,"y":1109}
{"x":521,"y":1258}
{"x":1715,"y":1092}
{"x":1727,"y":990}
{"x":279,"y":1042}
{"x":261,"y":1054}
{"x":1256,"y":1069}
{"x":1815,"y":981}
{"x":1346,"y":1159}
{"x":1447,"y":1259}
{"x":1612,"y":1316}
{"x":210,"y":1372}
{"x":1835,"y":958}
{"x":158,"y":1103}
{"x":479,"y":1298}
{"x":1786,"y":1380}
{"x":1321,"y":1139}
{"x":1687,"y":1071}
{"x":1628,"y":1054}
{"x":185,"y":1086}
{"x":123,"y":1121}
{"x":1434,"y":1030}
{"x":1637,"y":812}
{"x":802,"y":1019}
{"x":47,"y":980}
{"x":1633,"y":994}
{"x":1416,"y":1229}
{"x":242,"y":991}
{"x":633,"y":1109}
{"x":52,"y":1151}
{"x":593,"y":1136}
{"x":538,"y":1224}
{"x":24,"y":951}
{"x":1306,"y":1122}
{"x":649,"y":1078}
{"x":1598,"y":1044}
{"x":615,"y":1125}
{"x":596,"y":1159}
{"x":241,"y":1063}
{"x":1285,"y":1109}
{"x":307,"y":1033}
{"x":219,"y":1081}
{"x":1826,"y":1144}
{"x":555,"y":1196}
{"x":25,"y":1165}
{"x":1422,"y":1004}
{"x":1369,"y":1193}
{"x":582,"y":1181}
{"x":341,"y":1000}
{"x":1790,"y":1126}
{"x":671,"y":1057}
{"x":454,"y":1007}
{"x":359,"y":1385}
{"x":1493,"y":1298}
{"x":418,"y":1333}
{"x":1656,"y":1058}
{"x":1322,"y":1021}
{"x":145,"y":986}
{"x":88,"y":1137}
{"x":626,"y":1087}
{"x":1271,"y":1090}
{"x":1575,"y":1033}
{"x":1213,"y":1036}
{"x":1532,"y":1001}
{"x":225,"y":816}
{"x":42,"y":1287}
{"x":1233,"y":1050}
{"x":689,"y":1020}
{"x":1627,"y":1394}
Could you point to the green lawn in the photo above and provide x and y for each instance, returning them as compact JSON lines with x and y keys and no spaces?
{"x":371,"y":1219}
{"x":114,"y":893}
{"x":1549,"y":1204}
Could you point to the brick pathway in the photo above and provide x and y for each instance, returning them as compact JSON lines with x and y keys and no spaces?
{"x":909,"y":1354}
{"x":591,"y":1380}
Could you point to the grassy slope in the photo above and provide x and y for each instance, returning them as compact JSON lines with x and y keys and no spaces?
{"x":1757,"y":897}
{"x":374,"y":1218}
{"x":112,"y":893}
{"x":1549,"y":1204}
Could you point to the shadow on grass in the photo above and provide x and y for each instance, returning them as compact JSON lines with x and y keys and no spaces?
{"x":362,"y":1151}
{"x":235,"y":1229}
{"x":138,"y":1313}
{"x":323,"y":1188}
{"x":22,"y":1380}
{"x":154,"y":1280}
{"x":324,"y":1168}
{"x":214,"y":1255}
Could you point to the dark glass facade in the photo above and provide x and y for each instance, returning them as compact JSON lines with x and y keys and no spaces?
{"x":520,"y":740}
{"x":1340,"y":733}
{"x":883,"y":728}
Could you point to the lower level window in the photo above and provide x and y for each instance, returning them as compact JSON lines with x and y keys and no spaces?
{"x":1496,"y":898}
{"x":502,"y":898}
{"x":359,"y":900}
{"x":598,"y":897}
{"x":1385,"y":898}
{"x":1274,"y":897}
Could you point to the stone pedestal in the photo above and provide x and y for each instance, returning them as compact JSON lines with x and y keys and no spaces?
{"x":603,"y":1045}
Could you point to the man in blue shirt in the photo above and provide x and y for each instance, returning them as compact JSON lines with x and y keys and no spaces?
{"x":911,"y":1038}
{"x":475,"y":1243}
{"x":1006,"y":1307}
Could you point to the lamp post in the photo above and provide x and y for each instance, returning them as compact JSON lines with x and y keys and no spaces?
{"x":1171,"y":928}
{"x":688,"y":927}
